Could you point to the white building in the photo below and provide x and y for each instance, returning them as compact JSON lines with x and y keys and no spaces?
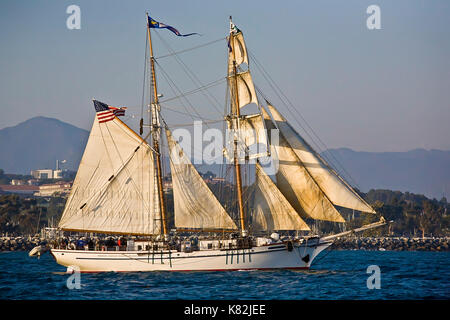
{"x":42,"y":174}
{"x":60,"y":188}
{"x":47,"y":174}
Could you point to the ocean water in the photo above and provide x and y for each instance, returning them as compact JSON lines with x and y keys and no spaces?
{"x":334,"y":275}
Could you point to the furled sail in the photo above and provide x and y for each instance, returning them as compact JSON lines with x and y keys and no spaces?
{"x":195,"y":205}
{"x":251,"y":137}
{"x":114,"y":190}
{"x":297,"y":185}
{"x":271,"y":210}
{"x":335,"y":188}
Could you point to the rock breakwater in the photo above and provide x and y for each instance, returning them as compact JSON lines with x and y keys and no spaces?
{"x":392,"y":244}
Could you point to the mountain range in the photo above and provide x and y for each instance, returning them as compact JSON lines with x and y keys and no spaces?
{"x":38,"y":142}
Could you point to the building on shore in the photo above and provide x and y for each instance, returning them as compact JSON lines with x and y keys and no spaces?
{"x":60,"y":188}
{"x":19,"y":189}
{"x":47,"y":174}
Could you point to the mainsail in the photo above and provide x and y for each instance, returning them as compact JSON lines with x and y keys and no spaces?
{"x":271,"y":210}
{"x":335,"y":188}
{"x":195,"y":205}
{"x":114,"y":190}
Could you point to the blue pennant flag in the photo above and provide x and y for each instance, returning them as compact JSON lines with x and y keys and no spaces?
{"x":158,"y":25}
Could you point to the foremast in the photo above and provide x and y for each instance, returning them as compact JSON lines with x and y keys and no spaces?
{"x":235,"y":114}
{"x":155,"y":128}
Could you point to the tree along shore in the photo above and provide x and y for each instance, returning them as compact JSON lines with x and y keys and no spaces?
{"x":413,"y":216}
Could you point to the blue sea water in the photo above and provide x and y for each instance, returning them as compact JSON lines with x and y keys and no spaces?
{"x":334,"y":275}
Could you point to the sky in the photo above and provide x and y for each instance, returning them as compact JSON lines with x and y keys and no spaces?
{"x":368,"y":90}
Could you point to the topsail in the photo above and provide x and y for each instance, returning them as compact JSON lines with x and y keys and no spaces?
{"x":240,"y":84}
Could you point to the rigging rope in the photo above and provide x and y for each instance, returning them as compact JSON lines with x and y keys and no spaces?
{"x":190,"y":74}
{"x":190,"y":49}
{"x":209,"y":85}
{"x":291,"y":106}
{"x":172,"y":85}
{"x":191,"y":124}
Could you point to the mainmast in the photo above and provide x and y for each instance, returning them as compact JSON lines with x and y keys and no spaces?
{"x":235,"y":115}
{"x":156,"y":136}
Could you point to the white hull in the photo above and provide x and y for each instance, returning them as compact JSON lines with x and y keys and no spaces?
{"x":274,"y":256}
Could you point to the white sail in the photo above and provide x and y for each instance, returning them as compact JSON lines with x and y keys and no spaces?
{"x":297,"y":185}
{"x":251,"y":136}
{"x":243,"y":82}
{"x":237,"y":44}
{"x":195,"y":205}
{"x":336,"y":189}
{"x":271,"y":210}
{"x":114,"y":190}
{"x":245,"y":88}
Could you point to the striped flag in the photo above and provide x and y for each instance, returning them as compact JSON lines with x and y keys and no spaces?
{"x":118,"y":112}
{"x":107,"y":113}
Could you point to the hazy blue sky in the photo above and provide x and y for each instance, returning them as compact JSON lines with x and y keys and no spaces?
{"x":371,"y":90}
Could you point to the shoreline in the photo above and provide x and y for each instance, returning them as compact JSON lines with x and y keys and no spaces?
{"x":345,"y":243}
{"x":392,"y":244}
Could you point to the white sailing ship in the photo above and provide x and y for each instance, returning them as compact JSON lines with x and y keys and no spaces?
{"x":118,"y":190}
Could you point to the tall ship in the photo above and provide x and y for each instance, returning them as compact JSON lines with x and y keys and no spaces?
{"x":119,"y":189}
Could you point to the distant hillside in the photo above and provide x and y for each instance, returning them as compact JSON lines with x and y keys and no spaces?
{"x":38,"y":142}
{"x":419,"y":171}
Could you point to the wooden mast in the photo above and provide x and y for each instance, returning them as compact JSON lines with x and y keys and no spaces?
{"x":236,"y":116}
{"x":155,"y":128}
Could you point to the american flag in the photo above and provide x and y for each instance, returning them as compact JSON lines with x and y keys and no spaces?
{"x":107,"y":113}
{"x":118,"y":112}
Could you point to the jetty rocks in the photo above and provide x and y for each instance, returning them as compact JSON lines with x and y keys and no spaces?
{"x":20,"y":243}
{"x":344,"y":243}
{"x":392,"y":244}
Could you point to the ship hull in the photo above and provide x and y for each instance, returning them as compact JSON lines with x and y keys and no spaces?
{"x":275,"y":256}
